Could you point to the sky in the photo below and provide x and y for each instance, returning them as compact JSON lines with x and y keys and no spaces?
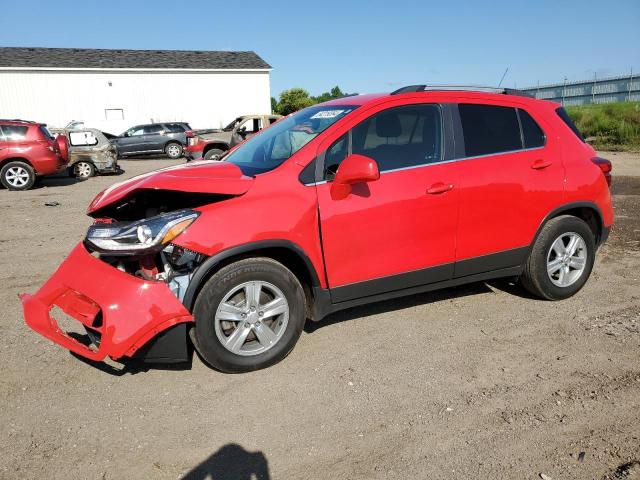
{"x":362,"y":46}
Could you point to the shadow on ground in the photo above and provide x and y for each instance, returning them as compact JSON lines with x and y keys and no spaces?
{"x":231,"y":462}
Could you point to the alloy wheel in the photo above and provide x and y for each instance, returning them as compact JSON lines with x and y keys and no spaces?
{"x":566,"y":259}
{"x":251,"y":318}
{"x":17,"y":177}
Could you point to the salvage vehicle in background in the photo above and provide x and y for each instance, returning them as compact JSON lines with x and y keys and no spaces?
{"x":353,"y":201}
{"x":90,"y":152}
{"x":213,"y":144}
{"x":27,"y":151}
{"x":169,"y":138}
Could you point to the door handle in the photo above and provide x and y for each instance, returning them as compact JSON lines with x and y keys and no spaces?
{"x":439,"y":187}
{"x":540,"y":164}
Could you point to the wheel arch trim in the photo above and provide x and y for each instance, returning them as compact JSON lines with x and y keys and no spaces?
{"x":572,"y":206}
{"x":211,"y":264}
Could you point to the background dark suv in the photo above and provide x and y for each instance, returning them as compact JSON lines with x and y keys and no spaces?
{"x":169,"y":138}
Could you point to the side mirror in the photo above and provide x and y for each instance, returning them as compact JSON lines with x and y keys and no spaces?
{"x":353,"y":169}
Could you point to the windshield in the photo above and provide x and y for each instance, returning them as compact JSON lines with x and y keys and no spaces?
{"x":273,"y":146}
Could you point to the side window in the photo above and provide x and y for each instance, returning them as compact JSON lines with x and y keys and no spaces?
{"x":136,"y":131}
{"x":14,"y":133}
{"x":82,"y":139}
{"x":532,"y":134}
{"x":175,"y":128}
{"x":335,"y":155}
{"x":489,"y":129}
{"x":153,"y":129}
{"x":401,"y":137}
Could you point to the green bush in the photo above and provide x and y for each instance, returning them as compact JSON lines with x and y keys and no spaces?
{"x":613,"y":126}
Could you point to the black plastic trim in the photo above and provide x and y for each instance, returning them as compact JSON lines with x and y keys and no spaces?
{"x":493,"y":261}
{"x":393,"y":282}
{"x":169,"y":346}
{"x":323,"y":307}
{"x":210,"y":265}
{"x":571,"y":206}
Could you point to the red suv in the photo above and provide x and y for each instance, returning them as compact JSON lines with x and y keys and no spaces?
{"x":28,"y":150}
{"x":356,"y":200}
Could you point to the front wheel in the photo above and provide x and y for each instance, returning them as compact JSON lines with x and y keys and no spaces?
{"x":249,"y":315}
{"x":561,"y":259}
{"x":173,"y":150}
{"x":17,"y":175}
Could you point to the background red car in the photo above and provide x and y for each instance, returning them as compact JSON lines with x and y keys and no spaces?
{"x":29,"y":150}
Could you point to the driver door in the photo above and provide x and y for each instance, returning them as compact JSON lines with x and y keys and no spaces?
{"x":399,"y":231}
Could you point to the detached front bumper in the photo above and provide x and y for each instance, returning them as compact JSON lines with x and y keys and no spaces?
{"x":123,"y":311}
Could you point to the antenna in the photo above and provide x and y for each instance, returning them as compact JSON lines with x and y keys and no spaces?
{"x":503,"y":75}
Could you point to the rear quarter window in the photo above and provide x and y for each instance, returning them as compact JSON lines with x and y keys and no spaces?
{"x":532,"y":134}
{"x":489,"y":129}
{"x":14,"y":133}
{"x":562,"y":113}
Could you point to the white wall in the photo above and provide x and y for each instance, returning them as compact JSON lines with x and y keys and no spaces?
{"x":204,"y":99}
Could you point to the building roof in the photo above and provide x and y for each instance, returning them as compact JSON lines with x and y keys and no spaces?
{"x":71,"y":58}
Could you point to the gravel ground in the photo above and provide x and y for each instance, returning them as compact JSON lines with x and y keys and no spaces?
{"x":475,"y":382}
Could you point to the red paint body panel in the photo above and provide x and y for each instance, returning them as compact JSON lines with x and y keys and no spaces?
{"x":389,"y":226}
{"x":198,"y":177}
{"x":133,"y":310}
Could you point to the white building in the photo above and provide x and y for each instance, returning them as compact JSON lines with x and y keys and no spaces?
{"x":117,"y":89}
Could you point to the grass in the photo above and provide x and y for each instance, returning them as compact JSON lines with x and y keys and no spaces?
{"x":611,"y":126}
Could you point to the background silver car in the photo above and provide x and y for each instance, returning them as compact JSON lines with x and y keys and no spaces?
{"x":90,"y":152}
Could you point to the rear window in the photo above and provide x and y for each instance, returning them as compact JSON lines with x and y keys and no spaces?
{"x":489,"y":129}
{"x":14,"y":132}
{"x":532,"y":134}
{"x":562,"y":113}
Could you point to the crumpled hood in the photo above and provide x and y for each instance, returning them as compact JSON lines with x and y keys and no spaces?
{"x":198,"y":177}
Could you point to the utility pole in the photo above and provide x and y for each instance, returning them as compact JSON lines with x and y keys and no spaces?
{"x":593,"y":89}
{"x":630,"y":83}
{"x":564,"y":87}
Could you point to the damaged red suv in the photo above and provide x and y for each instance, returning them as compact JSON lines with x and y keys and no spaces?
{"x":356,"y":200}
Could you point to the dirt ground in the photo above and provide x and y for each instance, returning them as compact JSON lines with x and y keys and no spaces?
{"x":475,"y":382}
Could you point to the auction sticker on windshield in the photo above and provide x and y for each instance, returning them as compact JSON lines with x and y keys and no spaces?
{"x":327,"y":114}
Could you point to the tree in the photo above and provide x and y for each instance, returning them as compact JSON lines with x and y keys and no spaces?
{"x":293,"y":100}
{"x":274,"y":105}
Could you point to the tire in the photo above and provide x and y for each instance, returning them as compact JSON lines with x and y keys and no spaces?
{"x":83,"y":170}
{"x":229,"y":286}
{"x":213,"y":154}
{"x":17,"y":175}
{"x":552,"y":271}
{"x":173,"y":150}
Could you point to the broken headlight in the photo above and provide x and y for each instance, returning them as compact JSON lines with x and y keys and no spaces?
{"x":142,"y":236}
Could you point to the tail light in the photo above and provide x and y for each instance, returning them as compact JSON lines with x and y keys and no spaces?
{"x":605,"y":166}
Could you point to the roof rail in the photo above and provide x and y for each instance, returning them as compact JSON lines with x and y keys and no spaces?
{"x":16,"y":120}
{"x":465,"y":88}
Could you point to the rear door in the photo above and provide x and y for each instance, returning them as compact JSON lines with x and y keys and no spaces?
{"x":399,"y":231}
{"x":511,"y":177}
{"x":155,"y":138}
{"x":4,"y":146}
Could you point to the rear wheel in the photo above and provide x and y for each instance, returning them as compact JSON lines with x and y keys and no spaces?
{"x":249,"y":315}
{"x":213,"y":154}
{"x":173,"y":150}
{"x":83,"y":170}
{"x":561,"y":259}
{"x":17,"y":175}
